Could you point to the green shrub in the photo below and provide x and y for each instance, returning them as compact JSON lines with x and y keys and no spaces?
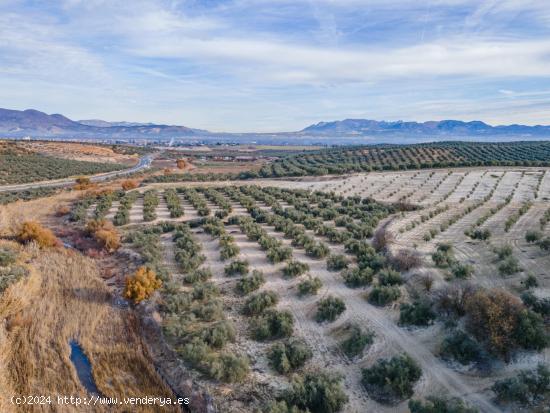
{"x":317,"y":392}
{"x":527,"y":387}
{"x":383,"y":295}
{"x":544,"y":244}
{"x":533,"y":236}
{"x":358,"y":277}
{"x":356,"y":342}
{"x":461,"y":271}
{"x":10,"y":275}
{"x":329,"y":308}
{"x":295,"y":268}
{"x":272,"y":324}
{"x":150,"y":203}
{"x":209,"y":311}
{"x":173,"y":203}
{"x":288,"y":356}
{"x":390,"y":381}
{"x":228,"y":248}
{"x":7,"y":257}
{"x":228,"y":368}
{"x":530,"y":281}
{"x":258,"y":303}
{"x":530,"y":331}
{"x":480,"y":234}
{"x":204,"y":291}
{"x":248,"y":284}
{"x":218,"y":334}
{"x":440,"y":405}
{"x":309,"y":286}
{"x":278,"y":254}
{"x":388,"y":277}
{"x":199,"y":275}
{"x":316,"y":250}
{"x":504,"y":251}
{"x":444,"y":255}
{"x":419,"y":313}
{"x":337,"y":262}
{"x":237,"y":267}
{"x":509,"y":266}
{"x":461,"y":347}
{"x":538,"y":305}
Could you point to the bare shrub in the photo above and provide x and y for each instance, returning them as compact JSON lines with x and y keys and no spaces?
{"x":381,"y":239}
{"x":451,"y":300}
{"x":62,"y":210}
{"x":83,"y":182}
{"x":406,"y":260}
{"x":427,"y":282}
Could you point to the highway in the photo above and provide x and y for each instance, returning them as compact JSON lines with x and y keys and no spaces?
{"x":143,"y":163}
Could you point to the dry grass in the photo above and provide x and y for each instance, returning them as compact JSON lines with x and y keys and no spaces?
{"x":78,"y":151}
{"x":12,"y":215}
{"x":66,"y":299}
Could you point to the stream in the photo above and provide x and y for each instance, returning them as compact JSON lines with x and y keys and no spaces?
{"x":83,"y":368}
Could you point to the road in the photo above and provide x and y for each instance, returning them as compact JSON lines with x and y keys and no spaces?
{"x":143,"y":163}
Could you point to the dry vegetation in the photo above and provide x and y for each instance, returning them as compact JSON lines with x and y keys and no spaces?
{"x":65,"y":299}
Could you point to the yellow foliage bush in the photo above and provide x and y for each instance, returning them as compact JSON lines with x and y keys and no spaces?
{"x":105,"y":233}
{"x":34,"y":231}
{"x":141,"y":285}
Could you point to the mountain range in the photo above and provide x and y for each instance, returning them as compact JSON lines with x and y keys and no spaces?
{"x":36,"y":124}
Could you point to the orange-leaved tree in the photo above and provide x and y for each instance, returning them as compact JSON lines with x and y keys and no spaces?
{"x":34,"y":231}
{"x":130,"y":184}
{"x":141,"y":285}
{"x":180,"y":163}
{"x":493,"y":318}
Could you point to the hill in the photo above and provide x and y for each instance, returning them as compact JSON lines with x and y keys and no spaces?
{"x":15,"y":123}
{"x":30,"y":122}
{"x":367,"y":127}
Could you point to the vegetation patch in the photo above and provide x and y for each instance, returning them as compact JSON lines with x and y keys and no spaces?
{"x":329,"y":308}
{"x":390,"y":381}
{"x":289,"y":355}
{"x":356,"y":342}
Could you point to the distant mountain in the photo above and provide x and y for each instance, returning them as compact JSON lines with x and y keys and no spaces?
{"x":104,"y":124}
{"x":366,"y":127}
{"x":15,"y":123}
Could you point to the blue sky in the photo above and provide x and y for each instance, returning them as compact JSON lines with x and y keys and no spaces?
{"x":255,"y":65}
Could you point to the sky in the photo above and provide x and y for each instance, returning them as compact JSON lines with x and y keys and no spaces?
{"x":277,"y":65}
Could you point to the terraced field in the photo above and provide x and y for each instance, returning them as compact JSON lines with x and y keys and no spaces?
{"x":251,"y":270}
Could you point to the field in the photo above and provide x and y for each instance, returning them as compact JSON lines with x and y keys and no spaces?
{"x":432,"y":155}
{"x":21,"y":164}
{"x":317,"y":227}
{"x":383,"y":291}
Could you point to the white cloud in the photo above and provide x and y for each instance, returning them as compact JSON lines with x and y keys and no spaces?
{"x":217,"y":67}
